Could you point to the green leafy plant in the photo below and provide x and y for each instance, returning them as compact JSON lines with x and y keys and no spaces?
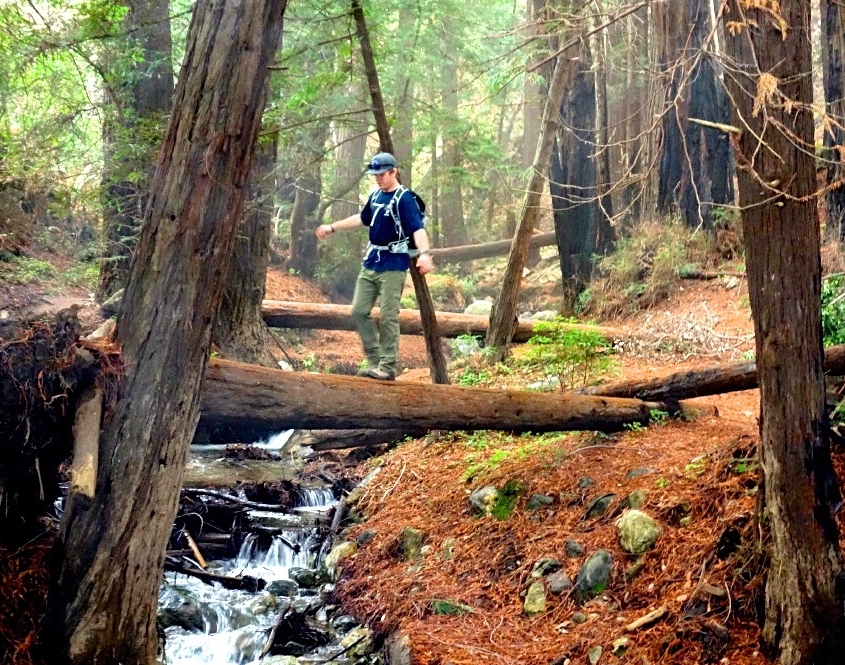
{"x":635,"y":427}
{"x":663,"y":483}
{"x":833,"y":310}
{"x":576,"y":356}
{"x":658,"y":416}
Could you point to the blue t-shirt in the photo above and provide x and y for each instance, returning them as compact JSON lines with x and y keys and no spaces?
{"x":384,"y":230}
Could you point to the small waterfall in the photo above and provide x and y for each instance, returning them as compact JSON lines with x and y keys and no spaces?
{"x":216,"y":626}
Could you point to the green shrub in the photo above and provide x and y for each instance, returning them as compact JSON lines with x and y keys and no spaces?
{"x":24,"y":270}
{"x":833,"y":310}
{"x":575,"y":356}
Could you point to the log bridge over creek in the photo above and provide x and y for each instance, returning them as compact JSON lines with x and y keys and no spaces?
{"x":245,"y":402}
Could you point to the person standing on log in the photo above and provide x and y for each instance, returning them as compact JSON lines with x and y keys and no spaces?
{"x":396,"y":234}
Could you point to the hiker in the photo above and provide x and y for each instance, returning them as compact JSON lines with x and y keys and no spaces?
{"x":396,"y":235}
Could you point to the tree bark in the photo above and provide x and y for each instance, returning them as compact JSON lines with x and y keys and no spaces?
{"x":503,"y":316}
{"x":776,"y":175}
{"x":833,"y":61}
{"x":286,"y":314}
{"x":247,"y":401}
{"x":239,"y":331}
{"x":110,"y":551}
{"x":714,"y":380}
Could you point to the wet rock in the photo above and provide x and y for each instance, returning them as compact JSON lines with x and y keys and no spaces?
{"x":283,"y":588}
{"x":343,"y":623}
{"x":637,"y":531}
{"x":594,"y":576}
{"x":264,"y":604}
{"x":598,"y":506}
{"x":482,"y":500}
{"x":358,"y":641}
{"x":558,"y":583}
{"x":341,"y":551}
{"x":573,"y":549}
{"x":411,"y":540}
{"x":186,"y":615}
{"x":545,"y":566}
{"x":306,"y":578}
{"x":594,"y":655}
{"x":535,"y":599}
{"x":539,"y":500}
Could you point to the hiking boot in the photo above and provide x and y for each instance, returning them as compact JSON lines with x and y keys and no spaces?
{"x":379,"y":373}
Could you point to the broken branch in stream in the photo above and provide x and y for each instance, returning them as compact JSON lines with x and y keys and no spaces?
{"x":244,"y":582}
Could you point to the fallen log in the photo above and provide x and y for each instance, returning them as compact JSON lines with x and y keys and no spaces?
{"x":245,"y":582}
{"x":287,"y":314}
{"x":714,"y":380}
{"x":252,"y":401}
{"x":488,"y":249}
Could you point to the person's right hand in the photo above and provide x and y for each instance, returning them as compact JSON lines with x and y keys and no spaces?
{"x":324,"y":231}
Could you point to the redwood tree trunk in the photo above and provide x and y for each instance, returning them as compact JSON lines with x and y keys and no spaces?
{"x":110,"y":550}
{"x":240,"y":332}
{"x":804,"y":590}
{"x":833,"y":48}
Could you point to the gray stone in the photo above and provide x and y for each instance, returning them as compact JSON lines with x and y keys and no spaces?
{"x":594,"y":655}
{"x":637,"y":531}
{"x":365,"y":537}
{"x":339,"y":552}
{"x":573,"y":549}
{"x":411,"y":540}
{"x":558,"y":583}
{"x":482,"y":499}
{"x":636,"y":499}
{"x":398,"y":649}
{"x":545,"y":566}
{"x":598,"y":506}
{"x":535,"y":599}
{"x":185,"y":615}
{"x":620,"y":646}
{"x":358,"y":641}
{"x":344,"y":623}
{"x":306,"y":578}
{"x":642,"y":471}
{"x":594,"y":576}
{"x":111,"y":306}
{"x":539,"y":500}
{"x":585,"y":482}
{"x":579,"y":617}
{"x":283,"y":588}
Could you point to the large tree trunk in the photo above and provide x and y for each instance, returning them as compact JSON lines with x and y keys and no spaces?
{"x":833,"y":60}
{"x":150,"y":92}
{"x":240,"y":332}
{"x":503,"y":316}
{"x":776,"y":174}
{"x":283,"y":314}
{"x":111,"y":550}
{"x":248,"y":402}
{"x":452,"y":223}
{"x":573,"y":181}
{"x":306,"y":204}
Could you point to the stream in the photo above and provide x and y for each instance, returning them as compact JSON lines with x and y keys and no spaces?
{"x":208,"y":624}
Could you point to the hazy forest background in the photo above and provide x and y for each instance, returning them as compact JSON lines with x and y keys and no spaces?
{"x":669,"y":119}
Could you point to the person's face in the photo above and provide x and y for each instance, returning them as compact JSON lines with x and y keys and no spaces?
{"x":386,"y":181}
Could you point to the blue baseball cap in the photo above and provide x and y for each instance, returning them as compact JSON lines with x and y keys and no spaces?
{"x":381,"y":163}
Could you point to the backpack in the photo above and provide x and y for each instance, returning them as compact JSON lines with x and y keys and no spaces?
{"x":393,"y":211}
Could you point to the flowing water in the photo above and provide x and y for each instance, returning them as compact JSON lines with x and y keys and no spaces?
{"x":231,"y":626}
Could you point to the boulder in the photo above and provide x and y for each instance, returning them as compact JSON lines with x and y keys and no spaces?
{"x":637,"y":531}
{"x":535,"y":599}
{"x":482,"y":500}
{"x":594,"y":576}
{"x":341,"y":551}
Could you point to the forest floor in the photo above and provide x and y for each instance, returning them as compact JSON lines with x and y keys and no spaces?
{"x":698,"y":478}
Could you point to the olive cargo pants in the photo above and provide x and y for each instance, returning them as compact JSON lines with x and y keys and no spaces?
{"x":381,"y":343}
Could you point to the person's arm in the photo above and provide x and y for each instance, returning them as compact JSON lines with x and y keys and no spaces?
{"x":425,"y":263}
{"x":352,"y":222}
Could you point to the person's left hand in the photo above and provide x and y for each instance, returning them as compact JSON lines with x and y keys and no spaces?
{"x":425,"y":264}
